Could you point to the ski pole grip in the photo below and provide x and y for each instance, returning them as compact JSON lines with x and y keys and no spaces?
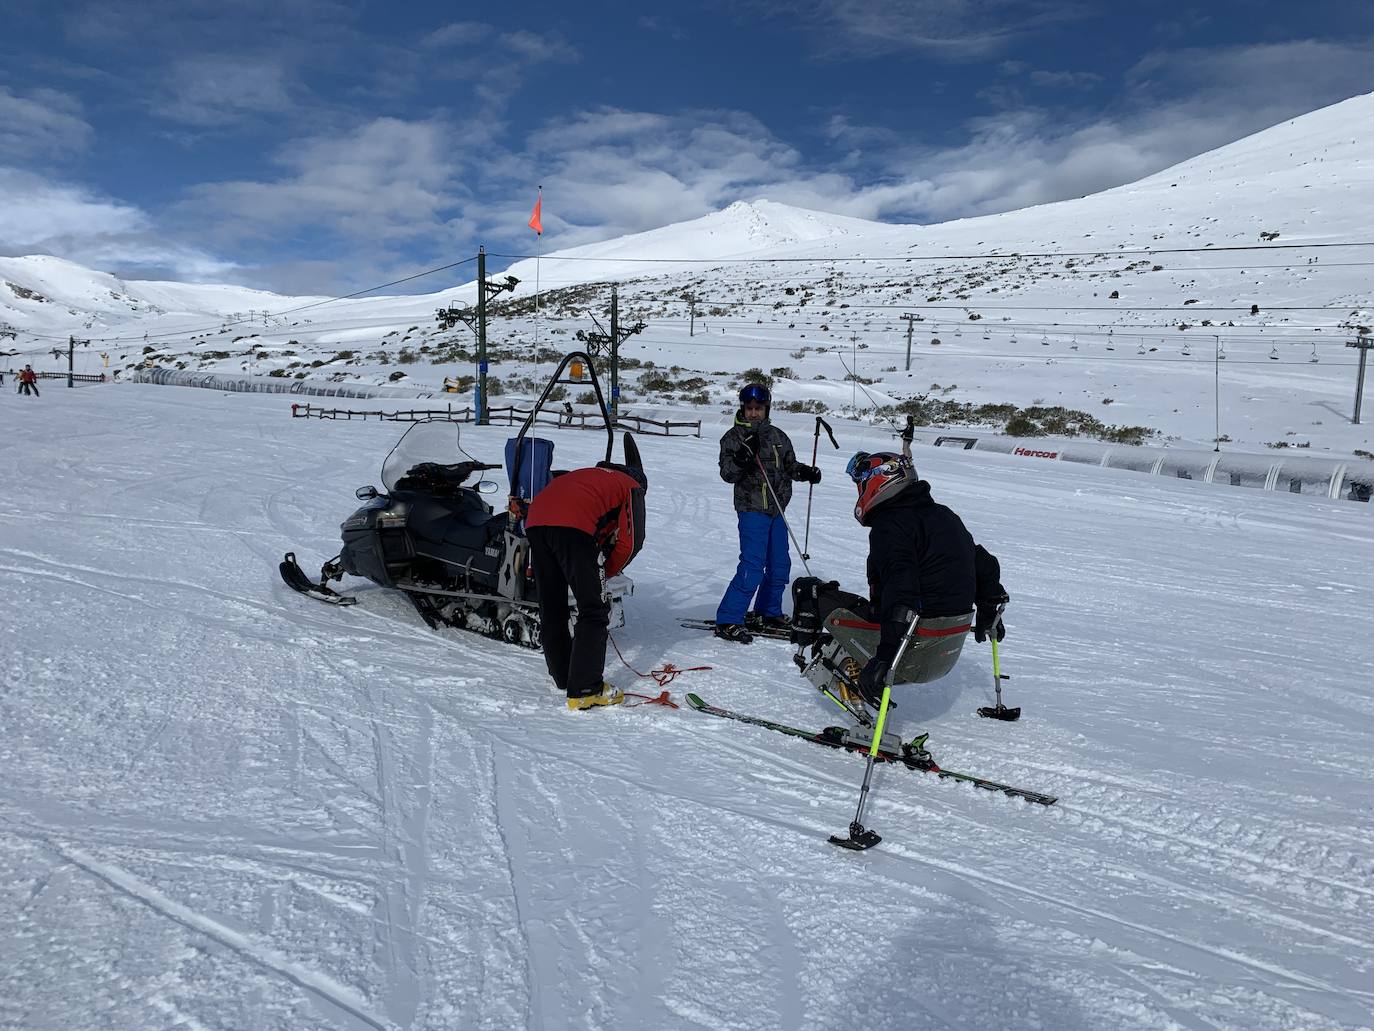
{"x":828,"y":431}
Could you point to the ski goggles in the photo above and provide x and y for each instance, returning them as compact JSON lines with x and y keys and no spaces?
{"x":754,"y":392}
{"x":863,"y":466}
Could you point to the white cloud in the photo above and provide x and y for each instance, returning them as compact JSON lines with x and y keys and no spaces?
{"x":1065,"y":79}
{"x":952,"y":29}
{"x":38,"y":216}
{"x":209,"y":91}
{"x":388,"y":180}
{"x":44,"y":123}
{"x":458,"y":33}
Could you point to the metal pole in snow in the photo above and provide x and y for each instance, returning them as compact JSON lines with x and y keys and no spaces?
{"x":1216,"y":383}
{"x":1364,"y":344}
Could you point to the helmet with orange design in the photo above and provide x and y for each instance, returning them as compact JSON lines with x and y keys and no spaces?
{"x":880,"y":477}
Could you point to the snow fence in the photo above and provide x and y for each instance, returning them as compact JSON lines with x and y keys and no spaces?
{"x":1307,"y":474}
{"x":273,"y":385}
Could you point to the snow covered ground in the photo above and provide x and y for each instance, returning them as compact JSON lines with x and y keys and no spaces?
{"x":227,"y":806}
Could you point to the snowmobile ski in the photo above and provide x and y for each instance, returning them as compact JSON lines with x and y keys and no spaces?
{"x":294,"y":577}
{"x":913,"y":754}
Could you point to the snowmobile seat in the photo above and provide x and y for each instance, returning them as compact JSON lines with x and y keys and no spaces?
{"x":931,"y":654}
{"x":536,"y":461}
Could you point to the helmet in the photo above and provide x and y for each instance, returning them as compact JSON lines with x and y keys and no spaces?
{"x":880,"y":477}
{"x":634,"y":472}
{"x":756,"y":392}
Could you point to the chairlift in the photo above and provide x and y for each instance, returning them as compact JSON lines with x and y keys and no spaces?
{"x":1185,"y":352}
{"x":1314,"y":359}
{"x":1013,"y":338}
{"x":1111,"y":344}
{"x":1073,"y":343}
{"x":1044,"y":340}
{"x":1273,"y":352}
{"x":1141,"y":348}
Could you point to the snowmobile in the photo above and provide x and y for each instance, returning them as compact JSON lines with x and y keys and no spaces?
{"x":432,"y":536}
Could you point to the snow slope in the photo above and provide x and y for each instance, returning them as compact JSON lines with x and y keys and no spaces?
{"x":227,"y":806}
{"x":1112,"y":304}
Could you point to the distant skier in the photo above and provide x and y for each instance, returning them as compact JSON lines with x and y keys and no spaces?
{"x":758,"y":459}
{"x":28,"y":381}
{"x":586,"y":525}
{"x":921,"y":558}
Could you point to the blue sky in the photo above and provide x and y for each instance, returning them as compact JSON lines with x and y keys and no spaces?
{"x":327,"y":145}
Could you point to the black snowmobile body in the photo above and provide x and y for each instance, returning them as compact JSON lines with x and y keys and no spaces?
{"x":434,"y":537}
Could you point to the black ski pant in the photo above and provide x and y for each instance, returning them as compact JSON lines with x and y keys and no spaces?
{"x":24,"y":388}
{"x":563,"y":558}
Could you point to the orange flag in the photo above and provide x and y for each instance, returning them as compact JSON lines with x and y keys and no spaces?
{"x":536,"y":222}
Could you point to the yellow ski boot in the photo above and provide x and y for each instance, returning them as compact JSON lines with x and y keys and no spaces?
{"x":608,"y":695}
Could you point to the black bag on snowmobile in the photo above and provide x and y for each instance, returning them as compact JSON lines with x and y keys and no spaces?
{"x":813,"y":599}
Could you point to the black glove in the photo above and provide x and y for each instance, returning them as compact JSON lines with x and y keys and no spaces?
{"x":808,"y":474}
{"x":744,"y":456}
{"x":871,"y":680}
{"x":988,"y":622}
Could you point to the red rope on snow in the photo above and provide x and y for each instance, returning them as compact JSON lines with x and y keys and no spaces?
{"x":661,"y":699}
{"x":662,"y":676}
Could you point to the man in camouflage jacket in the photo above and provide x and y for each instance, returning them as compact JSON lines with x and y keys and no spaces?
{"x":759,"y":460}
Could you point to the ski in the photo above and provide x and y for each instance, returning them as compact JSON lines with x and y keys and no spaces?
{"x":758,"y":631}
{"x":912,"y":754}
{"x":294,"y":577}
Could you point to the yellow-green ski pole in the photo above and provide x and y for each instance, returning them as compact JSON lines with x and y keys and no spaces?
{"x":859,"y":838}
{"x":998,"y":711}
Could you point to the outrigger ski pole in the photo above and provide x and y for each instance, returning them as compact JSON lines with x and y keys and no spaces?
{"x":811,"y":488}
{"x":860,"y":838}
{"x":998,"y":711}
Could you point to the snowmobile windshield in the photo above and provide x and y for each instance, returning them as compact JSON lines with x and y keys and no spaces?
{"x":430,"y":441}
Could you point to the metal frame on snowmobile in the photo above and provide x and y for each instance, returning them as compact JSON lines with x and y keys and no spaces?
{"x":515,"y":506}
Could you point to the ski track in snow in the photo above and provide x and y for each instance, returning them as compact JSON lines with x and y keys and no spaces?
{"x":227,"y":806}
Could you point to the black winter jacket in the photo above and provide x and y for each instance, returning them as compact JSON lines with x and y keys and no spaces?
{"x":921,"y":556}
{"x":780,"y":461}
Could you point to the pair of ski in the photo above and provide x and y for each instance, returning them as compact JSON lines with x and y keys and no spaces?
{"x":912,"y":755}
{"x":756,"y":629}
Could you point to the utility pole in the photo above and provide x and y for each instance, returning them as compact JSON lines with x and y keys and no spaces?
{"x":481,"y":399}
{"x":72,"y":345}
{"x":615,"y":354}
{"x":617,"y":336}
{"x":1216,"y":387}
{"x":483,"y":288}
{"x":1364,"y":344}
{"x":910,"y":325}
{"x":691,"y":315}
{"x":854,"y":372}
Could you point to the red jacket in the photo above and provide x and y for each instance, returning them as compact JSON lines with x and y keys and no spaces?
{"x":28,"y":376}
{"x":602,"y":503}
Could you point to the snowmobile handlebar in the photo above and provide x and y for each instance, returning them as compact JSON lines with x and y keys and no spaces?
{"x":438,"y":476}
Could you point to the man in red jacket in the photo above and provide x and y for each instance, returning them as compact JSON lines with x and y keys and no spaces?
{"x":586,"y":525}
{"x":28,"y":381}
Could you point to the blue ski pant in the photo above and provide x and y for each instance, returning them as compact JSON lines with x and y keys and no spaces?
{"x":765,"y":567}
